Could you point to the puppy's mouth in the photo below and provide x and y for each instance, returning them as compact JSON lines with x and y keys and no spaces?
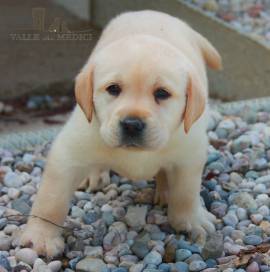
{"x":127,"y":142}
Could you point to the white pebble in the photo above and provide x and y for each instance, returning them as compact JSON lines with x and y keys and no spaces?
{"x":55,"y":266}
{"x":12,"y":261}
{"x":88,"y":206}
{"x":9,"y":229}
{"x":28,"y":158}
{"x":76,"y":212}
{"x":262,"y":199}
{"x":27,"y":255}
{"x":259,"y":188}
{"x":12,"y":179}
{"x":241,"y":214}
{"x":13,"y":193}
{"x":256,"y":218}
{"x":5,"y":242}
{"x":106,"y":208}
{"x":25,"y":177}
{"x":264,"y":210}
{"x":38,"y":262}
{"x":235,"y":178}
{"x":28,"y":189}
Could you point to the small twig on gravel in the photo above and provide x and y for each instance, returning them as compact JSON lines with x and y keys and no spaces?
{"x":35,"y":216}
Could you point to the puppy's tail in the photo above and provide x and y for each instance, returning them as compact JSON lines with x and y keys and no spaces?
{"x":210,"y":54}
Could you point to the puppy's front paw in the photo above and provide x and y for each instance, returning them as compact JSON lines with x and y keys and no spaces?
{"x":198,"y":223}
{"x":95,"y":181}
{"x":43,"y":237}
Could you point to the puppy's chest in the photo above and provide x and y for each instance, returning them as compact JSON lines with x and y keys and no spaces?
{"x":134,"y":167}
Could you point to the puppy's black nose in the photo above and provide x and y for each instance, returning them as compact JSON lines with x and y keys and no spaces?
{"x":132,"y":126}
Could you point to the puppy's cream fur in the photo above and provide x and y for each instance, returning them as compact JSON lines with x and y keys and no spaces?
{"x":140,"y":51}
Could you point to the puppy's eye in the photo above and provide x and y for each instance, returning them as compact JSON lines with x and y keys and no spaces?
{"x":161,"y":94}
{"x":114,"y":90}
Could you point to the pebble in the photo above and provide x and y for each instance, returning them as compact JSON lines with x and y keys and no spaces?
{"x":263,"y":179}
{"x":253,"y":267}
{"x":28,"y":189}
{"x":182,"y":254}
{"x":26,"y":255}
{"x":192,"y":247}
{"x":12,"y":179}
{"x":197,"y":266}
{"x":91,"y":251}
{"x":260,"y":188}
{"x":170,"y":250}
{"x":136,"y":216}
{"x":180,"y":267}
{"x":140,"y":246}
{"x":90,"y":217}
{"x":13,"y":193}
{"x":21,"y":206}
{"x":5,"y":242}
{"x":253,"y":240}
{"x":194,"y":257}
{"x":41,"y":266}
{"x":264,"y":210}
{"x":77,"y":212}
{"x":243,"y":200}
{"x":230,"y":219}
{"x":219,"y":209}
{"x":136,"y":267}
{"x":164,"y":267}
{"x":237,"y":234}
{"x":55,"y":266}
{"x":256,"y":218}
{"x":111,"y":239}
{"x":241,"y":214}
{"x":236,"y":178}
{"x":153,"y":257}
{"x":89,"y":264}
{"x":3,"y":223}
{"x":213,"y":247}
{"x":241,"y":143}
{"x":4,"y":262}
{"x":232,"y":249}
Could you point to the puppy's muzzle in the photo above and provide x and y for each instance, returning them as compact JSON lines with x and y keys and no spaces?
{"x":132,"y":129}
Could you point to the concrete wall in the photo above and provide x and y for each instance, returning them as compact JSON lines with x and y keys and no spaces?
{"x":42,"y":65}
{"x":246,"y":71}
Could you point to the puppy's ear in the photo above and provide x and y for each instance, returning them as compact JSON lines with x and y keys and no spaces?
{"x":195,"y":101}
{"x":210,"y":54}
{"x":84,"y":92}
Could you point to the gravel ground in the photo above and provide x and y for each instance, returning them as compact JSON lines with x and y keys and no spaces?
{"x":119,"y":230}
{"x":34,"y":113}
{"x":247,"y":16}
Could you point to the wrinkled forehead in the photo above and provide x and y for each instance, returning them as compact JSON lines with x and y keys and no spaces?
{"x":140,"y":62}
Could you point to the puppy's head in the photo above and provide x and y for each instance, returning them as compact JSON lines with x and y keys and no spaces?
{"x":140,"y":89}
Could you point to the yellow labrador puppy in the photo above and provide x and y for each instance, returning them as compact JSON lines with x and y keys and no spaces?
{"x":142,"y":112}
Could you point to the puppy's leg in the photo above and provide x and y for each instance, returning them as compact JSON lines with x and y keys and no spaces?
{"x":185,"y":211}
{"x":161,"y":193}
{"x":60,"y":179}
